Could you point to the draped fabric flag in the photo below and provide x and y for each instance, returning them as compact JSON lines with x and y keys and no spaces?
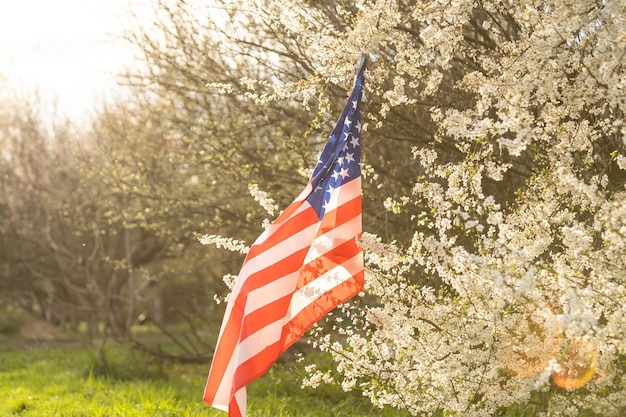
{"x":303,"y":265}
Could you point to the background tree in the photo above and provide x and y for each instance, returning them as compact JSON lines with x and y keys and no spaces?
{"x":34,"y":263}
{"x":79,"y":243}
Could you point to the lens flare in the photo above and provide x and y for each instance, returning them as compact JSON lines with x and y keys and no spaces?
{"x":578,"y":362}
{"x":531,"y":341}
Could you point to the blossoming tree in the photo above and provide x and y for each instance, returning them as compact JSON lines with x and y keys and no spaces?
{"x":497,"y":151}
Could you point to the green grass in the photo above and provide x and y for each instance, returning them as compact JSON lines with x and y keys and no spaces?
{"x":45,"y":382}
{"x":70,"y":381}
{"x":58,"y":382}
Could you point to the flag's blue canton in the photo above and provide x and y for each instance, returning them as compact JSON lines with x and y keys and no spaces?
{"x":340,"y":160}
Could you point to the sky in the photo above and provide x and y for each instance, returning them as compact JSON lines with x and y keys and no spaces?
{"x":69,"y":50}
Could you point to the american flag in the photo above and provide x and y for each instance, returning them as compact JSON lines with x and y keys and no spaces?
{"x":303,"y":265}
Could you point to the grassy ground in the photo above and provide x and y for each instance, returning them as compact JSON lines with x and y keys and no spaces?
{"x":66,"y":378}
{"x":66,"y":381}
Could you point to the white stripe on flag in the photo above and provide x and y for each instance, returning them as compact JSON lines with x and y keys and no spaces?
{"x":343,"y":194}
{"x":280,"y":251}
{"x":222,"y":396}
{"x":327,"y":242}
{"x":318,"y":287}
{"x":257,"y":341}
{"x":269,"y":293}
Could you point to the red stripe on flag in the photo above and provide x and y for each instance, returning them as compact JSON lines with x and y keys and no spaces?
{"x":234,"y":409}
{"x":291,"y":226}
{"x":290,"y":263}
{"x":309,"y":315}
{"x":257,"y":365}
{"x":228,"y":340}
{"x":293,"y":207}
{"x":340,"y":215}
{"x":326,"y":262}
{"x":264,"y":316}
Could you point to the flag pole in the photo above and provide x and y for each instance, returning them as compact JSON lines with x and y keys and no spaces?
{"x":361,"y":60}
{"x":360,"y":63}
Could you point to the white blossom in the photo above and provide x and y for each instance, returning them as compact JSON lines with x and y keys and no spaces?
{"x":545,"y":100}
